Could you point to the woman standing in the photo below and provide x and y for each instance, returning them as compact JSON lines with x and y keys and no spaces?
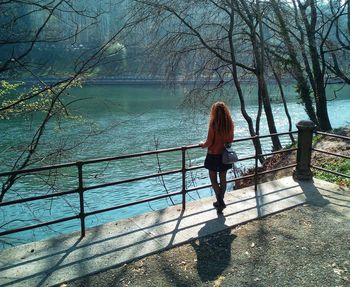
{"x":220,"y":131}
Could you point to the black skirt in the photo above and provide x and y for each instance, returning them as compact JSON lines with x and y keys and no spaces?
{"x":213,"y":162}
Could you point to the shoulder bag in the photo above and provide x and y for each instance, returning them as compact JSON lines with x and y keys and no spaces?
{"x":229,"y":156}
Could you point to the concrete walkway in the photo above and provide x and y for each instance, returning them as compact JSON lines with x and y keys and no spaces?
{"x":50,"y":262}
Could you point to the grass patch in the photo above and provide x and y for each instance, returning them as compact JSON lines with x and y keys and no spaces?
{"x":341,"y":165}
{"x":316,"y":139}
{"x":291,"y":145}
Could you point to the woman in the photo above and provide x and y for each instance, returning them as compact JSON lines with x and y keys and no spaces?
{"x":220,"y":131}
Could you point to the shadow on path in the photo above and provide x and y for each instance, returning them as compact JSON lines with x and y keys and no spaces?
{"x":213,"y":252}
{"x":312,"y":194}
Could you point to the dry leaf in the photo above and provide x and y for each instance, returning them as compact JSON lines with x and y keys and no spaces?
{"x":219,"y":281}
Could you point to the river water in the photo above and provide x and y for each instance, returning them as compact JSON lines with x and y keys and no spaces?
{"x":114,"y":120}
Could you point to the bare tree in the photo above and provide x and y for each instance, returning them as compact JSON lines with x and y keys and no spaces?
{"x":209,"y":34}
{"x":294,"y":63}
{"x":28,"y":27}
{"x":314,"y":36}
{"x":251,"y":13}
{"x":277,"y":76}
{"x":338,"y":44}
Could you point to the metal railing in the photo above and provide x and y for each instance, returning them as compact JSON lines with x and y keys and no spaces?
{"x":331,"y":154}
{"x":81,"y":188}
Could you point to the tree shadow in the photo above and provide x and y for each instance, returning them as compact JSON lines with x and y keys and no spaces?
{"x":312,"y":194}
{"x":214,"y":251}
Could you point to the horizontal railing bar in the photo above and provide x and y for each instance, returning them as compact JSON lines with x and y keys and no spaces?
{"x":20,"y":229}
{"x":264,"y":136}
{"x":242,"y":139}
{"x":331,"y":153}
{"x":198,"y":187}
{"x":277,"y":134}
{"x":133,"y":203}
{"x":241,"y":177}
{"x":277,"y":169}
{"x":248,"y":176}
{"x":131,"y":155}
{"x":278,"y":152}
{"x":37,"y":169}
{"x":246,"y":158}
{"x":332,"y":135}
{"x":192,"y":146}
{"x":131,"y":179}
{"x":209,"y":185}
{"x":329,"y":171}
{"x":70,"y":164}
{"x":34,"y":198}
{"x":202,"y":166}
{"x":194,"y":167}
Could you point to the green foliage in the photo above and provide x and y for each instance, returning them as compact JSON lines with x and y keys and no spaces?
{"x":16,"y":104}
{"x":7,"y":88}
{"x":291,"y":145}
{"x":338,"y":165}
{"x":16,"y":101}
{"x":316,"y":139}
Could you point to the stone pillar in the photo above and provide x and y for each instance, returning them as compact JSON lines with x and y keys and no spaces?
{"x":305,"y":133}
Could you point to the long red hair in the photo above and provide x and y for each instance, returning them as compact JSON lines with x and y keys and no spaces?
{"x":220,"y":119}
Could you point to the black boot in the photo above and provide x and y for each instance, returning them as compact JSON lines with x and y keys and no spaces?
{"x":219,"y":204}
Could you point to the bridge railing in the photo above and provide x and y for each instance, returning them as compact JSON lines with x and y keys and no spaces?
{"x":81,"y":189}
{"x":332,"y":154}
{"x":306,"y":131}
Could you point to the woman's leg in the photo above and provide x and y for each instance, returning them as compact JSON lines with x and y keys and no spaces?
{"x":223,"y":183}
{"x":216,"y":187}
{"x":214,"y":182}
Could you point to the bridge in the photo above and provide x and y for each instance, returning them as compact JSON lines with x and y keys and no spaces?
{"x":49,"y":262}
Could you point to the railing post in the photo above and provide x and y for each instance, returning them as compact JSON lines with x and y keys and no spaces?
{"x":81,"y":197}
{"x":256,"y":171}
{"x":305,"y":132}
{"x":183,"y":169}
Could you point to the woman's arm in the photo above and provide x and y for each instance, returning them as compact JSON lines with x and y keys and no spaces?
{"x":210,"y":139}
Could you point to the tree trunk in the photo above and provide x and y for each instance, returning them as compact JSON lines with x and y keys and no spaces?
{"x":258,"y":52}
{"x":280,"y":87}
{"x":262,"y":82}
{"x":268,"y":111}
{"x":302,"y":85}
{"x":348,"y":2}
{"x":318,"y":75}
{"x":256,"y":141}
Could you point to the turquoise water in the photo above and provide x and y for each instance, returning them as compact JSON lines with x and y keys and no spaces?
{"x":118,"y":120}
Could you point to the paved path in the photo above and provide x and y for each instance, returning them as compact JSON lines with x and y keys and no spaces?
{"x":46,"y":263}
